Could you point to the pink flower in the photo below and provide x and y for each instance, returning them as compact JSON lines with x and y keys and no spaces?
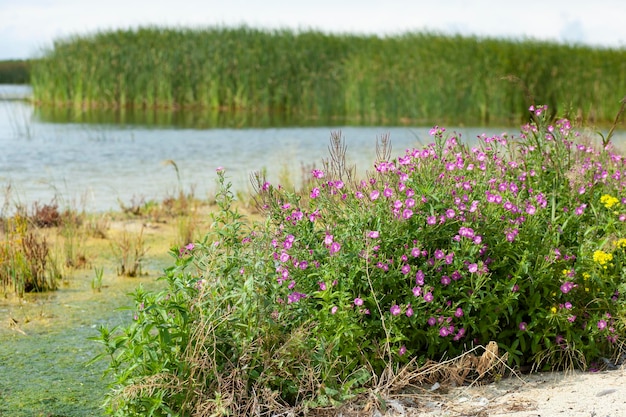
{"x":335,"y":247}
{"x":407,"y":214}
{"x":315,"y":192}
{"x":602,"y":324}
{"x":567,"y":286}
{"x":294,"y":297}
{"x":417,"y":291}
{"x":317,"y":173}
{"x":458,"y":312}
{"x":374,"y":195}
{"x":333,"y":310}
{"x":402,"y":350}
{"x":472,"y":268}
{"x":395,"y":310}
{"x":419,"y":277}
{"x":186,"y":249}
{"x":460,"y":334}
{"x":428,"y":297}
{"x":373,"y":234}
{"x":511,"y":234}
{"x":358,"y":301}
{"x":409,"y":311}
{"x":322,"y":285}
{"x":523,"y":326}
{"x":328,"y":239}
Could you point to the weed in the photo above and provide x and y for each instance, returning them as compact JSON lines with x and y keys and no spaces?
{"x":98,"y":226}
{"x":73,"y":237}
{"x":96,"y":282}
{"x":136,"y":206}
{"x":46,"y":215}
{"x":24,"y":259}
{"x":131,"y":251}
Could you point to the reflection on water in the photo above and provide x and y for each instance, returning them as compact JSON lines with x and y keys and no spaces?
{"x":182,"y":118}
{"x":93,"y":162}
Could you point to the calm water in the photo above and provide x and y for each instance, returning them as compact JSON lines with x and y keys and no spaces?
{"x":93,"y":164}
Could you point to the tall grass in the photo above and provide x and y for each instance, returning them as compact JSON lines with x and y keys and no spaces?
{"x":414,"y":77}
{"x":14,"y":71}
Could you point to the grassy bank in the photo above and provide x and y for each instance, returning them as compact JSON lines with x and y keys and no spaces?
{"x":415,"y":77}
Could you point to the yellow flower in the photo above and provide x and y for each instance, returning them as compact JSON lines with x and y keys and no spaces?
{"x":621,"y":243}
{"x":601,"y":257}
{"x":586,"y":276}
{"x":566,"y":271}
{"x":553,"y":310}
{"x":608,"y":200}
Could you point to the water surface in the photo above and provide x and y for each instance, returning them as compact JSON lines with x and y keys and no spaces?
{"x":94,"y":162}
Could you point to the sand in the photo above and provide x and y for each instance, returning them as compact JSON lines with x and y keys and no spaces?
{"x":589,"y":394}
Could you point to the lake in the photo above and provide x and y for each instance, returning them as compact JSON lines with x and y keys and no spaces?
{"x":96,"y":160}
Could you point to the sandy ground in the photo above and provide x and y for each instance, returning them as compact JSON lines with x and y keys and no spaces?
{"x":600,"y":394}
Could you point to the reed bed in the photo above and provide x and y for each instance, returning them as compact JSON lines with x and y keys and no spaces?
{"x":412,"y":78}
{"x":14,"y":71}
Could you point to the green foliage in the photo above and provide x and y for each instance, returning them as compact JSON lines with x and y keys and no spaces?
{"x":14,"y":72}
{"x":416,"y":77}
{"x":518,"y":240}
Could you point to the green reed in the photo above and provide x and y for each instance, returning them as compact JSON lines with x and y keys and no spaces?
{"x":14,"y":71}
{"x":414,"y":77}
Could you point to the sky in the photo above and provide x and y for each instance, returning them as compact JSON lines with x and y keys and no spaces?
{"x":27,"y":27}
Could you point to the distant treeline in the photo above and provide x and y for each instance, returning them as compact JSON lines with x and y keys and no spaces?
{"x":414,"y":77}
{"x":14,"y":72}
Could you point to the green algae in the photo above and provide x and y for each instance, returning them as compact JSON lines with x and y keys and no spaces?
{"x":44,"y":345}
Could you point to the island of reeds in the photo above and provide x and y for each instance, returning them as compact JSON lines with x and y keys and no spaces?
{"x":408,"y":78}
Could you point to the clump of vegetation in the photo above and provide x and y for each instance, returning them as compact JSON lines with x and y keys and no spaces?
{"x":96,"y":282}
{"x":413,"y":77}
{"x":15,"y":71}
{"x":130,"y":250}
{"x":24,"y":259}
{"x":517,"y":244}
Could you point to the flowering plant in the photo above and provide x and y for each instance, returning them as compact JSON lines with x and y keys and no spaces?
{"x":517,"y":240}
